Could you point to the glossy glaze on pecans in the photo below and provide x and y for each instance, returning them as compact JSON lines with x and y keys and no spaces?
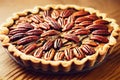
{"x":78,"y":53}
{"x":90,"y":43}
{"x":44,"y":25}
{"x":55,"y":14}
{"x":48,"y":45}
{"x":81,"y":31}
{"x":59,"y":34}
{"x":34,"y":32}
{"x":68,"y":54}
{"x":66,"y":13}
{"x":101,"y":32}
{"x":49,"y":55}
{"x":20,"y":30}
{"x":100,"y":21}
{"x":97,"y":27}
{"x":88,"y":50}
{"x":68,"y":24}
{"x":59,"y":56}
{"x":37,"y":19}
{"x":58,"y":43}
{"x":17,"y":36}
{"x":27,"y":39}
{"x":99,"y":38}
{"x":30,"y":48}
{"x":53,"y":23}
{"x":71,"y":37}
{"x":80,"y":13}
{"x":49,"y":33}
{"x":25,"y":25}
{"x":38,"y":52}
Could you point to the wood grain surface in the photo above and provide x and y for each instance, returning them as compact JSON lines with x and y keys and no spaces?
{"x":108,"y":70}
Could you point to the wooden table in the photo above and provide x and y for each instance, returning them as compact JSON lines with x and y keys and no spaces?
{"x":109,"y":70}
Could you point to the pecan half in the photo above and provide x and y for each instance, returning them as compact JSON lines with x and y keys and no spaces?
{"x":46,"y":13}
{"x":55,"y":14}
{"x":49,"y":55}
{"x":18,"y":30}
{"x":38,"y":52}
{"x":49,"y":33}
{"x":71,"y":37}
{"x":66,"y":13}
{"x":90,"y":43}
{"x":34,"y":32}
{"x":17,"y":36}
{"x":70,"y":19}
{"x":81,"y":31}
{"x":80,"y":13}
{"x":48,"y":45}
{"x":54,"y":24}
{"x":101,"y":21}
{"x":78,"y":53}
{"x":59,"y":56}
{"x":36,"y":26}
{"x":61,"y":21}
{"x":30,"y":48}
{"x":86,"y":23}
{"x":101,"y":32}
{"x":99,"y":38}
{"x":57,"y":43}
{"x":78,"y":27}
{"x":88,"y":50}
{"x":97,"y":26}
{"x":81,"y":19}
{"x":92,"y":16}
{"x":25,"y":25}
{"x":36,"y":19}
{"x":68,"y":54}
{"x":69,"y":24}
{"x":27,"y":39}
{"x":44,"y":25}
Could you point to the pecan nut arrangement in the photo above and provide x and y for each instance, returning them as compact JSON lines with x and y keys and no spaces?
{"x":59,"y":38}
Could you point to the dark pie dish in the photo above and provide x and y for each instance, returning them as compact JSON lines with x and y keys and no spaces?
{"x":59,"y":37}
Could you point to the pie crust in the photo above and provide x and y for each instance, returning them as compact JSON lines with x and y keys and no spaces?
{"x":56,"y":66}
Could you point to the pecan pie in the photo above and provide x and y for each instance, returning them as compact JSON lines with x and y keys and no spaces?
{"x":59,"y":37}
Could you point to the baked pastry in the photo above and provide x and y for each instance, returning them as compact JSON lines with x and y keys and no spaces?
{"x":59,"y":37}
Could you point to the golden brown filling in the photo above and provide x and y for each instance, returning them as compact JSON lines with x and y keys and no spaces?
{"x":59,"y":34}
